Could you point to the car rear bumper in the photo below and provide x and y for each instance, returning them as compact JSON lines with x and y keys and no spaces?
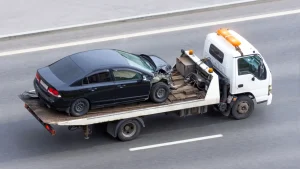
{"x":52,"y":102}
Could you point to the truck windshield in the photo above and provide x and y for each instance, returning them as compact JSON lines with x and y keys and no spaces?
{"x":249,"y":65}
{"x":137,"y":61}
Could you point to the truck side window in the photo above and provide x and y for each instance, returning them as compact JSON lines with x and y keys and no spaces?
{"x":216,"y":53}
{"x":249,"y":65}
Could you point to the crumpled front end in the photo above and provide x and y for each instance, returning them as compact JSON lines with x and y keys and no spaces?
{"x":166,"y":77}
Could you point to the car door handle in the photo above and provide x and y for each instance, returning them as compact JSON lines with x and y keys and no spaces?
{"x":121,"y":85}
{"x":240,"y":85}
{"x":92,"y":89}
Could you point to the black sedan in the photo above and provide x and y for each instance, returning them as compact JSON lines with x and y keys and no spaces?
{"x":100,"y":78}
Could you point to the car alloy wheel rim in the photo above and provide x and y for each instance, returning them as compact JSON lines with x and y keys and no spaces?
{"x":79,"y":106}
{"x":129,"y":130}
{"x":243,"y":107}
{"x":160,"y":93}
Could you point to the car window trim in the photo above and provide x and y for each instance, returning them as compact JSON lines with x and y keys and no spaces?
{"x":96,"y":72}
{"x":129,"y":69}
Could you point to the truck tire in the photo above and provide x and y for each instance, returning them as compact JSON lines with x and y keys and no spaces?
{"x":159,"y":92}
{"x":242,"y":108}
{"x":129,"y":130}
{"x":79,"y":107}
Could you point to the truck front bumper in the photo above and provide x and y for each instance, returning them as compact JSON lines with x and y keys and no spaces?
{"x":270,"y":97}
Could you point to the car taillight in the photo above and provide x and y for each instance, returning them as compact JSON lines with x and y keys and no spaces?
{"x":37,"y":76}
{"x":54,"y":92}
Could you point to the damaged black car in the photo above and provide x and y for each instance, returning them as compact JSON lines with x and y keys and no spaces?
{"x":100,"y":78}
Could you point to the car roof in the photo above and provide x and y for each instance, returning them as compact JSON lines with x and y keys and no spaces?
{"x":92,"y":60}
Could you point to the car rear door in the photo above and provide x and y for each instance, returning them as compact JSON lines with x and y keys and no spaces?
{"x":130,"y":85}
{"x":99,"y":88}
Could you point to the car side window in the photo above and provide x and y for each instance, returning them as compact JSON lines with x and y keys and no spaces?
{"x":97,"y":78}
{"x":120,"y":75}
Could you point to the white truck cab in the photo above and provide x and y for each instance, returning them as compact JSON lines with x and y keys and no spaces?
{"x":241,"y":63}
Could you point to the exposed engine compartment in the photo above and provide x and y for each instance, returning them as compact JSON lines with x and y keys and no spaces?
{"x":192,"y":72}
{"x":196,"y":80}
{"x":189,"y":67}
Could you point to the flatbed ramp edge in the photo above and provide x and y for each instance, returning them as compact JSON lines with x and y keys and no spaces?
{"x":49,"y":116}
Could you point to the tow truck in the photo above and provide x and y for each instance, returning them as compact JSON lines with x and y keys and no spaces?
{"x":231,"y":77}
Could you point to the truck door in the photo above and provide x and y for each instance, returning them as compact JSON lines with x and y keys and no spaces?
{"x":250,"y":79}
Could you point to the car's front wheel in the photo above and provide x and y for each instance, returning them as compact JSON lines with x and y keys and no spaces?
{"x":159,"y":92}
{"x":79,"y":107}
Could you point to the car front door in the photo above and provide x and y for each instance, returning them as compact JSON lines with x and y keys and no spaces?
{"x":248,"y":79}
{"x":130,"y":85}
{"x":99,"y":88}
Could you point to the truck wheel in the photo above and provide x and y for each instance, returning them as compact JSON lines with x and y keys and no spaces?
{"x":159,"y":92}
{"x":242,"y":108}
{"x":79,"y":107}
{"x":129,"y":130}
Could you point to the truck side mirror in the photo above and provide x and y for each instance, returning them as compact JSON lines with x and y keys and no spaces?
{"x":261,"y":69}
{"x":144,"y":78}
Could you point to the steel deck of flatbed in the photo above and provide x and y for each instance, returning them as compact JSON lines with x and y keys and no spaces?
{"x":51,"y":116}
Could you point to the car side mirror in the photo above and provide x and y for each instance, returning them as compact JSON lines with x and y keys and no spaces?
{"x":144,"y":78}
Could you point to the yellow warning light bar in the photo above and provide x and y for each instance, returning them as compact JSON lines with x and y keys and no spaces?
{"x":231,"y":39}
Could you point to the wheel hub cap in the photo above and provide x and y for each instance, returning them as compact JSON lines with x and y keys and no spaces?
{"x":80,"y":106}
{"x":161,"y":93}
{"x":129,"y":130}
{"x":243,"y":107}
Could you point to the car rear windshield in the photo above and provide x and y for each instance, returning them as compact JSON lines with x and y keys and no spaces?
{"x":66,"y":70}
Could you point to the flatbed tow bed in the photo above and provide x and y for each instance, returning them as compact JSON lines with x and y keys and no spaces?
{"x":186,"y":100}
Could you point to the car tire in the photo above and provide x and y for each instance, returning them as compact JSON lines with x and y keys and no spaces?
{"x":80,"y":107}
{"x":129,"y":130}
{"x":242,"y":108}
{"x":159,"y":92}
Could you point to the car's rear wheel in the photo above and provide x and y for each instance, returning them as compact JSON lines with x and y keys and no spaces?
{"x":159,"y":92}
{"x":79,"y":107}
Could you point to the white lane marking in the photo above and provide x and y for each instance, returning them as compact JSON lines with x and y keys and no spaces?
{"x":126,"y":18}
{"x":176,"y":142}
{"x":153,"y":32}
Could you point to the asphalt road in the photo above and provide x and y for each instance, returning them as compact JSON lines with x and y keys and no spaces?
{"x":269,"y":139}
{"x":20,"y":16}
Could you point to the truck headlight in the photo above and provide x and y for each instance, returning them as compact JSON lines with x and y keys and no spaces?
{"x":270,"y":89}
